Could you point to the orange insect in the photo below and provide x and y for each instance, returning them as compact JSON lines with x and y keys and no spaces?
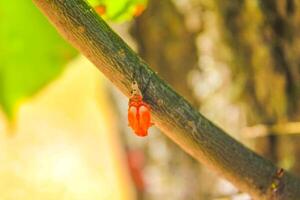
{"x":139,"y":117}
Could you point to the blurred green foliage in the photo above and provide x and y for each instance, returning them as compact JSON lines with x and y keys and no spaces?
{"x":119,"y":10}
{"x":31,"y":52}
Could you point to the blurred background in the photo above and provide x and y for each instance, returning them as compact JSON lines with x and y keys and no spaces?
{"x":63,"y":126}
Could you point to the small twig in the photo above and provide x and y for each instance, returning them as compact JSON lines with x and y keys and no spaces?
{"x":277,"y":184}
{"x":261,"y":130}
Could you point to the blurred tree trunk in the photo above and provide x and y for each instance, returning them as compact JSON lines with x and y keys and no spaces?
{"x":174,"y":115}
{"x":166,"y":44}
{"x":281,"y":35}
{"x":266,"y":65}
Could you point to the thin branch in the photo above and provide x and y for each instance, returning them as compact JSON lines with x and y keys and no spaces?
{"x":84,"y":29}
{"x":261,"y":130}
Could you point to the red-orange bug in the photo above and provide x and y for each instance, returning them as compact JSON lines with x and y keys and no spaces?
{"x":139,"y":116}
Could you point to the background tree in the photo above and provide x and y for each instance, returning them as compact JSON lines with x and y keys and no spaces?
{"x":236,"y":61}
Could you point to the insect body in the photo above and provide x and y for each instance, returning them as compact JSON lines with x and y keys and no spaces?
{"x":139,"y":117}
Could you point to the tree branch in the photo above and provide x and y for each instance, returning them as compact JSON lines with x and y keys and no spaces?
{"x":83,"y":28}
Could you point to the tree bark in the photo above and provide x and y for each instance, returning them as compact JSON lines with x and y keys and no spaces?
{"x":166,"y":44}
{"x":83,"y":28}
{"x":266,"y":59}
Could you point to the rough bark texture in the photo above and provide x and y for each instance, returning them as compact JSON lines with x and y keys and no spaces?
{"x":260,"y":108}
{"x":79,"y":24}
{"x":167,"y":45}
{"x":266,"y":62}
{"x":170,"y":49}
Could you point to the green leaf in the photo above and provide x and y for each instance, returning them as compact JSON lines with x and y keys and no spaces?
{"x":119,"y":10}
{"x":31,"y":52}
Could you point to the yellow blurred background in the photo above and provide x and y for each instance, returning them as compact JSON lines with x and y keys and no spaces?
{"x":63,"y":126}
{"x":64,"y":143}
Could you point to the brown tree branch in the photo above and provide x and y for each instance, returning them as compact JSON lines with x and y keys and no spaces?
{"x":84,"y":29}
